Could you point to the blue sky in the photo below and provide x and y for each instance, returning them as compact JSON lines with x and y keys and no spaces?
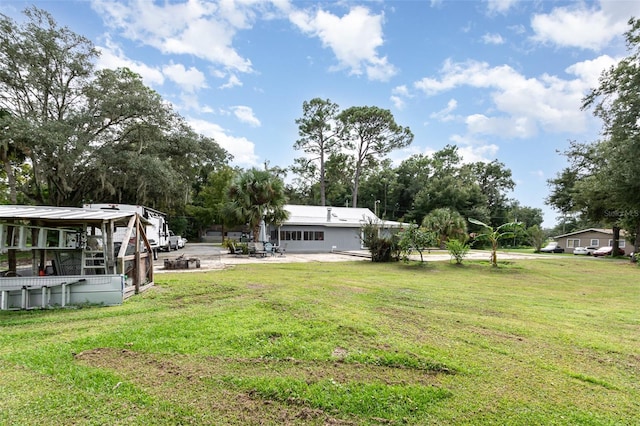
{"x":501,"y":79}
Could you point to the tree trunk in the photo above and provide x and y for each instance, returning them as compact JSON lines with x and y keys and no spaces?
{"x":356,"y":182}
{"x":494,"y":254}
{"x":256,"y":232}
{"x":11,"y":180}
{"x":323,"y":184}
{"x":616,"y":241}
{"x":636,"y":243}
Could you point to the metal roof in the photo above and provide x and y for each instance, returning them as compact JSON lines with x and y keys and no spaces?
{"x":597,"y":230}
{"x":332,"y":216}
{"x":61,"y":214}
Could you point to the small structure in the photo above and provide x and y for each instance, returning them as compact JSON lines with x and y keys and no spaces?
{"x":74,"y":257}
{"x":317,"y":229}
{"x":182,"y":263}
{"x":592,"y":237}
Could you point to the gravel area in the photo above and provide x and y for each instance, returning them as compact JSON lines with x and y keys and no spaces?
{"x":212,"y":257}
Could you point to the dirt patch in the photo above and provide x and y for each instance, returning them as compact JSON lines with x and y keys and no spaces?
{"x":340,"y":353}
{"x":497,"y":334}
{"x":200,"y":383}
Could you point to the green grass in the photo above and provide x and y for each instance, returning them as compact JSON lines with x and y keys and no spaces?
{"x":548,"y":341}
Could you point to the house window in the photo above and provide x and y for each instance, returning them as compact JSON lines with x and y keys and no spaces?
{"x":573,"y":243}
{"x":595,"y":242}
{"x":290,"y":235}
{"x":621,"y":243}
{"x":314,"y":235}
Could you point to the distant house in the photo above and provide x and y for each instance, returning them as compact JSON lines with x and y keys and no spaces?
{"x":317,"y":229}
{"x":595,"y":237}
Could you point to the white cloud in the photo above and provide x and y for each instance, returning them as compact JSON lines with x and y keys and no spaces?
{"x":398,"y":96}
{"x":473,"y":151}
{"x":112,"y":57}
{"x":245,"y":115}
{"x":444,"y":114}
{"x":191,"y":101}
{"x":506,"y":127}
{"x":481,"y":153}
{"x":500,"y":6}
{"x":620,"y":10}
{"x":517,"y":29}
{"x":354,"y":39}
{"x":471,"y":73}
{"x":589,"y":71}
{"x":470,"y":150}
{"x":492,"y":39}
{"x":399,"y":155}
{"x":398,"y":102}
{"x":241,"y":148}
{"x":232,"y":82}
{"x":579,"y":26}
{"x":401,"y":90}
{"x":203,"y":29}
{"x":520,"y":106}
{"x":190,"y":80}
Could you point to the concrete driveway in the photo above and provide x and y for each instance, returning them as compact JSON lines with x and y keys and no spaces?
{"x":213,"y":257}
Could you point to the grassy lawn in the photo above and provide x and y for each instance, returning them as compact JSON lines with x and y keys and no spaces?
{"x":549,"y":341}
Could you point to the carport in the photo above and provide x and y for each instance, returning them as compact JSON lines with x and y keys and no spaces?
{"x":77,"y":256}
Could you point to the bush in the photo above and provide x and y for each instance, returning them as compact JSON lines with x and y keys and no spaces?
{"x":415,"y":238}
{"x":235,"y":247}
{"x":382,"y":249}
{"x":457,"y":249}
{"x":536,"y":237}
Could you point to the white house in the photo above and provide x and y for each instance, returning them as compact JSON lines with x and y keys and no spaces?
{"x":317,"y":229}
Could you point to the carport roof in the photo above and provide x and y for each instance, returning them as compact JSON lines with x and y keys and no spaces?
{"x":333,"y":216}
{"x":61,"y":214}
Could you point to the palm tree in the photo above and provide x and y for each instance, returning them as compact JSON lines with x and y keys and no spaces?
{"x":446,"y":224}
{"x":256,"y":195}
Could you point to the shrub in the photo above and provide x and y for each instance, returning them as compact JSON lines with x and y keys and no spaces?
{"x":382,"y":249}
{"x":457,"y":250}
{"x":536,"y":237}
{"x":415,"y":238}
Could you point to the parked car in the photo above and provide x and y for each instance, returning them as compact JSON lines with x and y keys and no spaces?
{"x":182,"y":242}
{"x":606,"y":251}
{"x":552,"y":247}
{"x":174,"y":241}
{"x":587,"y":251}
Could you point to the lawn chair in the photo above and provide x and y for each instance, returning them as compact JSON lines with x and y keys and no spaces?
{"x":257,"y":249}
{"x":269,"y":248}
{"x":237,"y":251}
{"x":281,"y":249}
